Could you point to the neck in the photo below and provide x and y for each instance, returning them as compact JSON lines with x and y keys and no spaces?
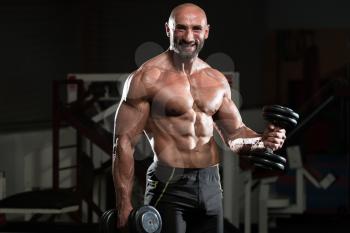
{"x":185,"y":65}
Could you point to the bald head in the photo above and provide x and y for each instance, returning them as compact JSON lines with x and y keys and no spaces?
{"x":187,"y":30}
{"x":187,"y":9}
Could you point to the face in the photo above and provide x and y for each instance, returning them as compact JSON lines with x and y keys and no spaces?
{"x":187,"y":31}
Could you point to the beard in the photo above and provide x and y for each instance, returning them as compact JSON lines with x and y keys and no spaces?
{"x":183,"y":48}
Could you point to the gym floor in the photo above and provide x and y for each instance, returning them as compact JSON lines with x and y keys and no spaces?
{"x":297,"y":224}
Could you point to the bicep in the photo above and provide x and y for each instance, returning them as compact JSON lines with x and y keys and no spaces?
{"x":130,"y":120}
{"x":228,"y":119}
{"x":133,"y":110}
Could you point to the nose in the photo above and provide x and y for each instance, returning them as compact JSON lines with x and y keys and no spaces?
{"x":189,"y":36}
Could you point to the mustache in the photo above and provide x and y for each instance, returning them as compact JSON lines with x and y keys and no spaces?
{"x":183,"y":42}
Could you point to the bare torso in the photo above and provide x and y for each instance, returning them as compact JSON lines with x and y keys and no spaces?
{"x":181,"y":112}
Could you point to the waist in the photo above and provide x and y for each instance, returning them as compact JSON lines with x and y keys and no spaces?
{"x":164,"y":173}
{"x":162,"y":165}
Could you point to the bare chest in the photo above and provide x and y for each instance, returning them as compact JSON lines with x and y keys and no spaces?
{"x":175,"y":95}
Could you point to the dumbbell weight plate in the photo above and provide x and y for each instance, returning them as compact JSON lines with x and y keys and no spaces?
{"x":108,"y":221}
{"x":266,"y":163}
{"x":150,"y":222}
{"x":264,"y":154}
{"x":147,"y":220}
{"x":111,"y":220}
{"x":281,"y":110}
{"x":280,"y":120}
{"x":103,"y":223}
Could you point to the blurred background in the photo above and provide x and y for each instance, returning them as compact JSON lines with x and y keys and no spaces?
{"x":63,"y":65}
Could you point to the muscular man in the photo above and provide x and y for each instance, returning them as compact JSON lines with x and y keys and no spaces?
{"x":178,"y":100}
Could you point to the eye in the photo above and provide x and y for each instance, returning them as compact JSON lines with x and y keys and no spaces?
{"x":197,"y":29}
{"x":180,"y":28}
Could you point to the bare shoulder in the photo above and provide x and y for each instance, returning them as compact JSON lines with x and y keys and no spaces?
{"x":139,"y":82}
{"x":217,"y":76}
{"x":210,"y":71}
{"x":148,"y":75}
{"x":151,"y":70}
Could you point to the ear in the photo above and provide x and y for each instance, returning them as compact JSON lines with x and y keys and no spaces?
{"x":167,"y":29}
{"x":206,"y":35}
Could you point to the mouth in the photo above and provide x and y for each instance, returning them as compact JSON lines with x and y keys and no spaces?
{"x":188,"y":47}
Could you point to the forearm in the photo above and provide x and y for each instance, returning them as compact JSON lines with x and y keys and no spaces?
{"x":123,"y":172}
{"x":244,"y":140}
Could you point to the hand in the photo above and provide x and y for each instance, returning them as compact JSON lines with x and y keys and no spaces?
{"x":122,"y":218}
{"x":273,"y":137}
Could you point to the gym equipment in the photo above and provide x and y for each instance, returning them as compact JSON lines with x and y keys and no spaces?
{"x":145,"y":219}
{"x":282,"y":117}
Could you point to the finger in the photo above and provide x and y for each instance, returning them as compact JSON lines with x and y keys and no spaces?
{"x":270,"y":145}
{"x":276,"y":128}
{"x":271,"y":127}
{"x":273,"y":146}
{"x":276,"y":142}
{"x":278,"y":135}
{"x":280,"y":130}
{"x":281,"y":135}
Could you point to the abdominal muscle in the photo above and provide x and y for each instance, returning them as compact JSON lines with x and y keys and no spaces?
{"x":185,"y":141}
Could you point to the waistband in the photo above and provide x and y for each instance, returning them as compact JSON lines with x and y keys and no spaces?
{"x":164,"y":172}
{"x":160,"y":165}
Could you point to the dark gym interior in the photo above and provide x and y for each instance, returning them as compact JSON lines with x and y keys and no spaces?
{"x":63,"y":64}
